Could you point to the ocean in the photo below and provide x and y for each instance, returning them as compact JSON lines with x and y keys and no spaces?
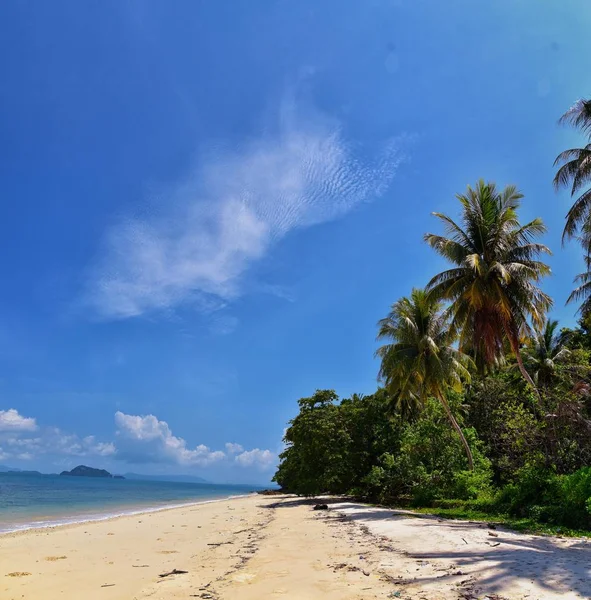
{"x":30,"y":501}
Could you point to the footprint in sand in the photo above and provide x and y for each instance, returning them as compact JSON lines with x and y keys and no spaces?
{"x":18,"y":574}
{"x":54,"y":558}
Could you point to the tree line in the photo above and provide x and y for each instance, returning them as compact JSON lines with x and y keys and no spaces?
{"x":483,"y":398}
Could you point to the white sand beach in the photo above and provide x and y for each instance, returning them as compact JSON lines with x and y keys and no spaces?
{"x":279,"y":547}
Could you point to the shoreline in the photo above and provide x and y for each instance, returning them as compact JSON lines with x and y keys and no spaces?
{"x":104,"y":517}
{"x":255,"y":546}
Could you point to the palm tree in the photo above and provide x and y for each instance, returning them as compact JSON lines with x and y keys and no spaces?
{"x":583,"y":290}
{"x":419,"y":359}
{"x":546,"y":350}
{"x":575,"y":172}
{"x":492,"y":287}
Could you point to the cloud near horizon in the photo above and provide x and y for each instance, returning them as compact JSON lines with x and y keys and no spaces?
{"x":145,"y":439}
{"x":21,"y":438}
{"x":229,"y":212}
{"x":138,"y":440}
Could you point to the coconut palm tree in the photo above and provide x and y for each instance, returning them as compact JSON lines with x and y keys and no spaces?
{"x":492,"y":288}
{"x":545,"y":350}
{"x":420,"y":360}
{"x":583,"y":290}
{"x":575,"y":172}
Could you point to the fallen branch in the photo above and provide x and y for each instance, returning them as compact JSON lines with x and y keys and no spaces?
{"x":173,"y":572}
{"x":215,"y":544}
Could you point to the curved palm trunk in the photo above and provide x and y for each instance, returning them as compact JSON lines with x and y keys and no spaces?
{"x":458,"y":430}
{"x":514,"y":342}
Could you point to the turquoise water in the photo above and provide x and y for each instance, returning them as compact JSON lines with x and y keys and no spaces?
{"x":45,"y":500}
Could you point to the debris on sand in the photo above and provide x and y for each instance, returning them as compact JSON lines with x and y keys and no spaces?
{"x":173,"y":572}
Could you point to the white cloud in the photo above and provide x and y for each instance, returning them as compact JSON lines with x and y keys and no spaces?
{"x":229,"y":213}
{"x":11,"y":420}
{"x":263,"y":459}
{"x":20,"y":444}
{"x":234,"y":448}
{"x":145,"y":439}
{"x":138,"y":440}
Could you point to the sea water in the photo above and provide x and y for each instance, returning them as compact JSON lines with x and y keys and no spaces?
{"x":31,"y":501}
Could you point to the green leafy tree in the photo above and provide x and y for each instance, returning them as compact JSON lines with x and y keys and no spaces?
{"x":492,"y":288}
{"x":420,"y":360}
{"x":429,"y":464}
{"x":314,"y":461}
{"x":580,"y":336}
{"x":332,"y":446}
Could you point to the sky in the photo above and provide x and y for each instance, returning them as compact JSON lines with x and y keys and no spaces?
{"x":207,"y":206}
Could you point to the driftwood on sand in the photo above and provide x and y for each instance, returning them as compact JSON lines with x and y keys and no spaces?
{"x":173,"y":572}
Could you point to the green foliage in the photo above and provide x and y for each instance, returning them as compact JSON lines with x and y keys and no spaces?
{"x":527,"y":440}
{"x":531,"y":452}
{"x":314,"y":460}
{"x":330,"y":447}
{"x":545,"y":353}
{"x":420,"y":361}
{"x":429,"y":464}
{"x":546,"y":497}
{"x":492,"y":286}
{"x":574,"y":172}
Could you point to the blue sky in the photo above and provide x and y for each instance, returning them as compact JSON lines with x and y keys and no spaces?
{"x":208,"y":205}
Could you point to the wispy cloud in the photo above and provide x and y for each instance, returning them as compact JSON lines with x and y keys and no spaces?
{"x":230,"y":211}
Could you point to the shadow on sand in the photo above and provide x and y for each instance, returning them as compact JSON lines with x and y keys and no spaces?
{"x":499,"y":560}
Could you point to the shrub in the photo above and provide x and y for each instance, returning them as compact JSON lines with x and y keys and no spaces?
{"x":543,"y":496}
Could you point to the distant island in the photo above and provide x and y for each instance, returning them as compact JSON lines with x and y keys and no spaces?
{"x":84,"y":471}
{"x":13,"y":471}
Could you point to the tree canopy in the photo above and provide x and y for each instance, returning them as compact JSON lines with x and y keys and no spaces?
{"x":475,"y":349}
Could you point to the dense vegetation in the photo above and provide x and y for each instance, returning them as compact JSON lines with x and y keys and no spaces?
{"x":485,"y":402}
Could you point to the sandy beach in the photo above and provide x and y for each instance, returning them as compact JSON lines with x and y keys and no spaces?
{"x":279,"y":547}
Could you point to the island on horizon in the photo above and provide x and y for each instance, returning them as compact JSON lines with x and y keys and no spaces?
{"x":84,"y":471}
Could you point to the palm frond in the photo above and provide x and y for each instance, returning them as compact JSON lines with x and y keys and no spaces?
{"x":578,"y":116}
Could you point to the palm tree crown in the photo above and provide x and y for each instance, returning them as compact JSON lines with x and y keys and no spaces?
{"x":546,"y":350}
{"x":575,"y":172}
{"x":419,"y":359}
{"x":583,"y":290}
{"x":492,"y":287}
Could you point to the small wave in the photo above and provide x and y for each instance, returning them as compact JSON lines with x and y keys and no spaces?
{"x":94,"y":517}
